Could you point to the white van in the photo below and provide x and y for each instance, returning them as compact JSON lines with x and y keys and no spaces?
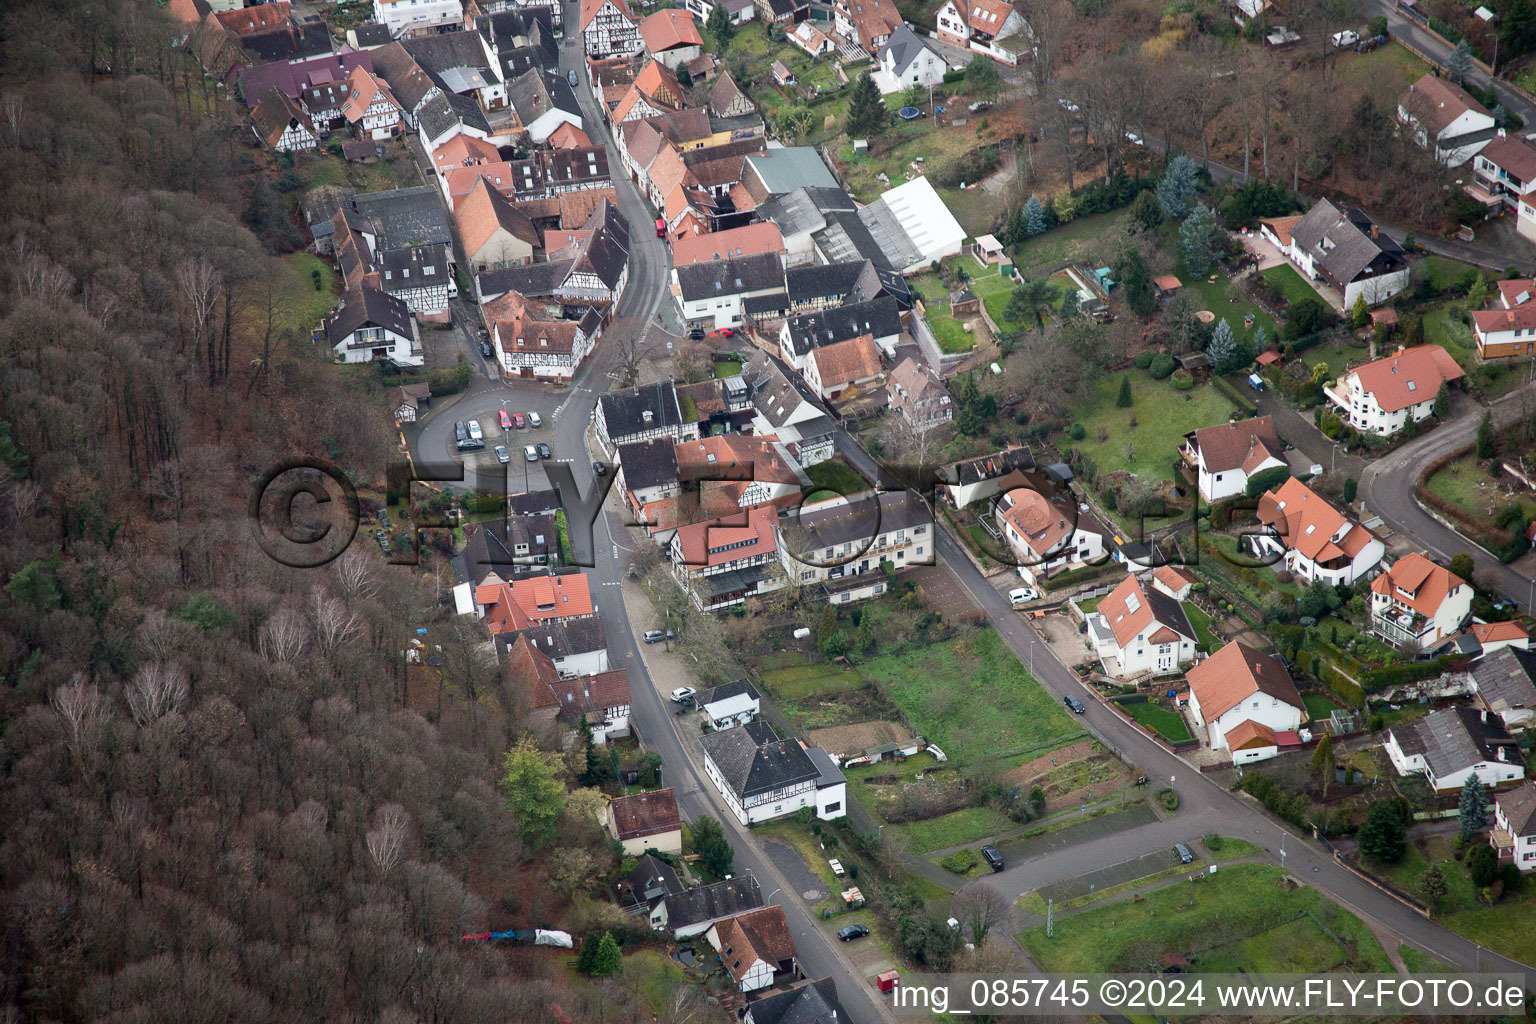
{"x":1022,"y":595}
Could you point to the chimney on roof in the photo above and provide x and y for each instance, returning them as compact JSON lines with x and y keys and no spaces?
{"x":1375,"y":231}
{"x":647,"y":416}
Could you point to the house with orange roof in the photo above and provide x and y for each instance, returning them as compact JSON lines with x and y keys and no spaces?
{"x":1416,"y":605}
{"x":645,"y":821}
{"x":370,"y":109}
{"x":599,"y":702}
{"x":811,"y":39}
{"x":1250,"y":741}
{"x":1494,"y":636}
{"x":1509,"y":328}
{"x":755,"y":947}
{"x":721,"y":562}
{"x":1173,"y":581}
{"x":835,"y":369}
{"x":495,"y":233}
{"x":1313,"y":538}
{"x":1047,"y":535}
{"x":1237,"y":684}
{"x":671,"y":37}
{"x":761,"y":462}
{"x":1506,"y":170}
{"x":1224,"y":457}
{"x":655,"y":91}
{"x":1140,"y":630}
{"x":608,"y":28}
{"x":463,"y":151}
{"x":528,"y":600}
{"x":568,"y":136}
{"x":544,"y":347}
{"x":729,"y":244}
{"x":1384,"y":396}
{"x":990,"y":27}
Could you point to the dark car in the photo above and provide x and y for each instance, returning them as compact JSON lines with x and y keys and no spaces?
{"x":599,"y":469}
{"x":570,"y":77}
{"x":853,"y":931}
{"x":1182,"y":852}
{"x":697,"y":334}
{"x":1073,"y":704}
{"x":992,"y":857}
{"x":485,"y":349}
{"x":544,"y":451}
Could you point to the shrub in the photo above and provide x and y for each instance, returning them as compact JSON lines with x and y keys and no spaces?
{"x":1168,"y":798}
{"x":1077,"y":433}
{"x":960,"y":862}
{"x":1183,"y":380}
{"x":1162,"y":366}
{"x":1142,"y":360}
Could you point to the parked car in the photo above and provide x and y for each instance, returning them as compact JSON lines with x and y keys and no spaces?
{"x":654,"y":636}
{"x":853,"y":931}
{"x":460,"y":432}
{"x":534,"y":421}
{"x":992,"y":857}
{"x":544,"y":451}
{"x":530,"y":453}
{"x":572,"y":79}
{"x":697,"y":334}
{"x":502,"y":455}
{"x":722,"y":332}
{"x":1022,"y":595}
{"x":475,"y":434}
{"x":661,"y":227}
{"x":683,"y":693}
{"x":1182,"y":852}
{"x":1345,"y":38}
{"x":485,"y":349}
{"x":518,"y":420}
{"x":1134,"y":139}
{"x":599,"y":469}
{"x":979,"y":106}
{"x":504,"y":420}
{"x":1073,"y":704}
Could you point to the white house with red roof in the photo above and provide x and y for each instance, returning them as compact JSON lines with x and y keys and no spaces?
{"x":1238,"y":685}
{"x":1440,"y":111}
{"x":370,"y":108}
{"x":1139,"y":629}
{"x":645,"y":821}
{"x":1047,"y":535}
{"x":1224,"y":457}
{"x":1313,"y":537}
{"x":1506,"y":170}
{"x":1417,"y":604}
{"x":1508,"y":329}
{"x":722,"y":562}
{"x":608,"y":29}
{"x":1385,"y":396}
{"x":990,"y":27}
{"x":671,"y":37}
{"x":529,"y":600}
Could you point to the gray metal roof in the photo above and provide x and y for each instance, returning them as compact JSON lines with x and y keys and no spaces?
{"x":805,"y":209}
{"x":784,"y":170}
{"x":407,"y":216}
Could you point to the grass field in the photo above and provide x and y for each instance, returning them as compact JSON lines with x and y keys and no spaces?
{"x":1444,"y":272}
{"x":1240,"y":918}
{"x":968,"y":825}
{"x":994,"y":290}
{"x":973,"y":698}
{"x":794,"y":682}
{"x":1232,"y":849}
{"x":1206,"y":640}
{"x":1163,"y":417}
{"x":1076,"y":240}
{"x":1319,"y":707}
{"x":1355,"y":69}
{"x":836,"y":475}
{"x":300,"y":307}
{"x":1223,"y":298}
{"x":1420,"y":963}
{"x":1289,"y":283}
{"x":1469,"y":487}
{"x":1167,"y":724}
{"x":726,"y":368}
{"x":1460,"y":894}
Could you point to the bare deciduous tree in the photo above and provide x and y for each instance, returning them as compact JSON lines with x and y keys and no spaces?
{"x":335,"y":625}
{"x":80,"y":707}
{"x":386,"y":841}
{"x":979,"y":906}
{"x":158,"y":689}
{"x":356,"y":574}
{"x":283,"y":636}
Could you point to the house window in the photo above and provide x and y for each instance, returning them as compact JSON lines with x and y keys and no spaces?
{"x":835,"y":807}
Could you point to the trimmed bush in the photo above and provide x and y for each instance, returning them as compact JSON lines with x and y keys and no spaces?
{"x":960,"y":862}
{"x":1142,"y":360}
{"x":1162,"y":366}
{"x":1182,"y":380}
{"x":1168,"y":798}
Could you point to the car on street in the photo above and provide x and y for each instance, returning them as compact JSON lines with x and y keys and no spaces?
{"x":544,"y":451}
{"x":722,"y":332}
{"x":853,"y":931}
{"x":661,"y":227}
{"x":460,"y":432}
{"x":1182,"y":852}
{"x":697,"y":334}
{"x":530,"y":453}
{"x":485,"y":349}
{"x":979,"y":106}
{"x":518,"y":420}
{"x":502,"y":455}
{"x":1073,"y":704}
{"x":475,"y":434}
{"x":1345,"y":38}
{"x":598,"y":469}
{"x":1022,"y":595}
{"x":504,"y":420}
{"x":572,"y":79}
{"x":534,"y":421}
{"x":683,"y":693}
{"x":992,"y":857}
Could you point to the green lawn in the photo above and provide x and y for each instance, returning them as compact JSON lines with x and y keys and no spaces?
{"x":968,"y":825}
{"x":1081,"y":240}
{"x":1420,"y":963}
{"x":1443,"y":271}
{"x":949,"y":332}
{"x":1163,"y":416}
{"x":1508,"y":929}
{"x":800,"y":681}
{"x":1355,"y":70}
{"x":1467,"y":485}
{"x":994,"y":290}
{"x":300,"y":307}
{"x":836,"y":475}
{"x":1318,"y":706}
{"x":726,"y":368}
{"x":1223,"y":298}
{"x":1407,"y":873}
{"x":1289,"y":283}
{"x":1168,"y":724}
{"x":1218,"y":919}
{"x":1441,"y":327}
{"x":1232,"y":849}
{"x":1201,"y":622}
{"x":973,"y":698}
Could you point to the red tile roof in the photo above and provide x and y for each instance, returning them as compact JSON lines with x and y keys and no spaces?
{"x":1248,"y":733}
{"x":1128,"y":611}
{"x":1426,"y":584}
{"x":529,"y":599}
{"x":580,"y":695}
{"x":736,"y":456}
{"x":1307,"y":522}
{"x":568,"y":136}
{"x":483,"y":212}
{"x":1498,"y":632}
{"x":668,"y":29}
{"x":1231,"y":445}
{"x":761,"y":934}
{"x":462,"y":151}
{"x":645,"y":814}
{"x":738,"y":536}
{"x":743,"y":241}
{"x":847,"y":361}
{"x":1435,"y":102}
{"x":590,"y":8}
{"x":1521,"y":318}
{"x":1408,"y":377}
{"x":1233,"y":674}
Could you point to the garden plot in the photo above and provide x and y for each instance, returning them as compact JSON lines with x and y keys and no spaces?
{"x":1076,"y":774}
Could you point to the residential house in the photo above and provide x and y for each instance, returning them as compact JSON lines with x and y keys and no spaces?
{"x":652,"y":881}
{"x":1314,"y":538}
{"x":1046,"y":533}
{"x":409,"y":84}
{"x":879,"y":318}
{"x":647,"y":473}
{"x":778,"y":171}
{"x":1237,"y":684}
{"x":811,"y":39}
{"x":691,"y":912}
{"x":403,"y":218}
{"x":721,"y":562}
{"x":852,"y":365}
{"x":1224,"y":457}
{"x":463,"y":151}
{"x":990,"y":27}
{"x":752,"y":471}
{"x":406,"y":18}
{"x":739,"y":11}
{"x":818,"y":286}
{"x":783,"y":12}
{"x":981,"y":478}
{"x":779,"y":408}
{"x":532,"y":600}
{"x":370,"y":326}
{"x":645,"y":821}
{"x":528,"y":344}
{"x":508,"y":547}
{"x":1450,"y":746}
{"x":441,"y":116}
{"x":812,"y":1003}
{"x":568,"y":136}
{"x":599,"y":703}
{"x":272,"y":33}
{"x":906,"y":60}
{"x":370,"y":35}
{"x":1509,"y":329}
{"x":1514,"y":826}
{"x":370,"y":109}
{"x":755,"y":947}
{"x":1417,"y":605}
{"x":544,"y":103}
{"x":323,"y":103}
{"x":844,"y":544}
{"x":655,"y":91}
{"x":714,"y":295}
{"x":1440,"y":111}
{"x":293,"y":78}
{"x":407,"y":401}
{"x":726,"y":100}
{"x":1504,"y":683}
{"x":1495,"y":636}
{"x":421,"y":275}
{"x":671,"y":37}
{"x":1249,"y":741}
{"x":640,"y":413}
{"x":1384,"y":396}
{"x":577,"y":647}
{"x":762,"y":777}
{"x":918,"y":396}
{"x":1140,"y":630}
{"x":730,"y":705}
{"x":282,"y":125}
{"x":867,"y":24}
{"x":733,"y":243}
{"x":608,"y":28}
{"x":1347,"y":251}
{"x":1506,"y":170}
{"x":495,"y":233}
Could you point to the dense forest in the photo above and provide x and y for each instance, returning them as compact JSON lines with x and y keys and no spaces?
{"x":219,"y":802}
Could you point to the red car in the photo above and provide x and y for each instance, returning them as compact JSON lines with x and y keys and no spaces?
{"x":724,"y":332}
{"x":504,"y":420}
{"x":520,"y":420}
{"x":661,"y":228}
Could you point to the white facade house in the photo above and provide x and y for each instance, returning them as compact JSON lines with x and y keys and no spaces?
{"x":1236,"y":685}
{"x":842,"y":545}
{"x":1440,"y":112}
{"x":645,"y":821}
{"x":1450,"y":746}
{"x":755,"y":947}
{"x":1514,"y":826}
{"x":417,"y":17}
{"x":1509,"y":328}
{"x":1224,"y":457}
{"x":731,"y":705}
{"x":544,"y":350}
{"x":714,"y":295}
{"x":1139,"y":630}
{"x":370,"y":326}
{"x":1418,"y":605}
{"x":1347,"y":251}
{"x":739,"y":11}
{"x":906,"y":60}
{"x":1385,"y":396}
{"x":370,"y":108}
{"x":990,"y":27}
{"x":1313,"y":538}
{"x":608,"y":29}
{"x":762,"y":777}
{"x":1047,"y":534}
{"x":1506,"y":169}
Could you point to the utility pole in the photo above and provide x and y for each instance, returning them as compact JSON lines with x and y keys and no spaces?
{"x":1050,"y":919}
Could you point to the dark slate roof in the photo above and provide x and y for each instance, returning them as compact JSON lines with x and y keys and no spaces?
{"x":362,"y":307}
{"x":407,"y":269}
{"x":533,"y":281}
{"x":653,"y":879}
{"x":904,"y":47}
{"x":563,"y":639}
{"x":735,"y":276}
{"x":406,"y":216}
{"x":291,"y":42}
{"x":805,"y":209}
{"x":712,"y":902}
{"x":1169,"y":611}
{"x":812,"y":1003}
{"x":533,"y":503}
{"x":605,"y":252}
{"x":1506,"y":679}
{"x":469,"y":112}
{"x":623,"y":410}
{"x":739,"y":123}
{"x":535,"y":93}
{"x":650,"y":463}
{"x":1348,"y":234}
{"x":727,"y":691}
{"x":772,"y":305}
{"x":996,"y":464}
{"x":490,"y":546}
{"x":847,"y":236}
{"x":828,"y":281}
{"x":880,"y":317}
{"x":442,"y":51}
{"x":1453,"y":739}
{"x":436,"y":116}
{"x":372,"y":34}
{"x":807,"y":529}
{"x":753,"y":759}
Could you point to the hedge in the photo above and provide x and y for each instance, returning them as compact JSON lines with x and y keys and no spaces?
{"x":1393,"y":675}
{"x":1335,"y":681}
{"x":1235,"y":396}
{"x":1261,"y":482}
{"x":1130,"y":698}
